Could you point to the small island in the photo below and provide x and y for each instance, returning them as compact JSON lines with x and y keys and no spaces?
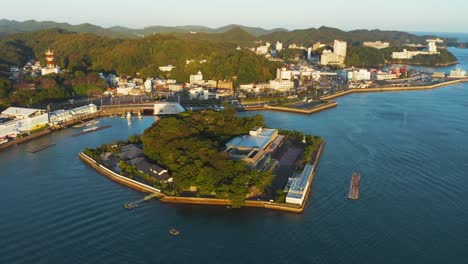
{"x":214,"y":157}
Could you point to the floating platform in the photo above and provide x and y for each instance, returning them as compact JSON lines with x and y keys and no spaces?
{"x":354,"y":186}
{"x":174,"y":232}
{"x":130,"y":206}
{"x":91,"y":130}
{"x":41,"y":148}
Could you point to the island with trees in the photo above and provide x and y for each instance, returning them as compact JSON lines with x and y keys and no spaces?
{"x":207,"y":156}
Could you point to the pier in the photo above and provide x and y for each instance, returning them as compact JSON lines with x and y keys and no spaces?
{"x":135,"y":204}
{"x":41,"y":148}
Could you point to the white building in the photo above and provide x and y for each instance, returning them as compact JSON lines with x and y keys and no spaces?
{"x":20,"y":120}
{"x":279,"y":46}
{"x":339,"y":48}
{"x":297,"y":186}
{"x":262,"y":50}
{"x":281,"y":85}
{"x":458,"y":73}
{"x":85,"y":110}
{"x":283,"y":74}
{"x":385,"y":76}
{"x":167,"y":68}
{"x":376,"y":44}
{"x":337,"y":57}
{"x":175,"y":87}
{"x":196,"y":78}
{"x":60,"y":116}
{"x":148,"y":85}
{"x":431,"y":50}
{"x":166,"y":108}
{"x":359,"y":75}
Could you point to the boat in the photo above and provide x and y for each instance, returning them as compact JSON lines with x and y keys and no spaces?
{"x":139,"y":116}
{"x":3,"y":141}
{"x":92,"y":122}
{"x":130,"y":206}
{"x":90,"y":129}
{"x":79,"y":125}
{"x":174,"y":232}
{"x":354,"y":186}
{"x":122,"y":116}
{"x":129,"y":115}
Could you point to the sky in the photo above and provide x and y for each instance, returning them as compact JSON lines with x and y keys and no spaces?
{"x":405,"y":15}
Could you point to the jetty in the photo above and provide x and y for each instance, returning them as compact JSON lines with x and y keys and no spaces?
{"x":135,"y":204}
{"x":41,"y":148}
{"x":89,"y":130}
{"x":354,"y":186}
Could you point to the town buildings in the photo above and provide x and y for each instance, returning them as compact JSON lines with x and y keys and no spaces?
{"x":359,"y":75}
{"x":376,"y":44}
{"x":17,"y":120}
{"x":196,"y":78}
{"x":335,"y":57}
{"x":430,"y":50}
{"x":279,"y":46}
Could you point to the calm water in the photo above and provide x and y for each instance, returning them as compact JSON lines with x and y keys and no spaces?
{"x":411,"y":148}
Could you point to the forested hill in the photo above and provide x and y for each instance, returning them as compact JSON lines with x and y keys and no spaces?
{"x":299,"y":36}
{"x":88,"y":52}
{"x":328,"y":35}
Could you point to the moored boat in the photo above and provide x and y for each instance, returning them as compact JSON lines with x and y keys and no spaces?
{"x":174,"y":232}
{"x":90,"y":129}
{"x":354,"y":186}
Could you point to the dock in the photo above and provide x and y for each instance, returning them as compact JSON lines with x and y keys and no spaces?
{"x":354,"y":186}
{"x":91,"y":131}
{"x":41,"y":148}
{"x":135,"y":204}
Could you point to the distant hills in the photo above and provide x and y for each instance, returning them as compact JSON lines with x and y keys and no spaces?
{"x":230,"y":33}
{"x":12,"y":26}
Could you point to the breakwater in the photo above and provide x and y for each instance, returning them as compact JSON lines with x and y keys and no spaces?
{"x":200,"y":201}
{"x":308,"y":111}
{"x":393,"y":89}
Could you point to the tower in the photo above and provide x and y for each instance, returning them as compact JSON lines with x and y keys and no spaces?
{"x":50,"y":58}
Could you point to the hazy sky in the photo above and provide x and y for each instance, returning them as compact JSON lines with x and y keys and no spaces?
{"x":407,"y":15}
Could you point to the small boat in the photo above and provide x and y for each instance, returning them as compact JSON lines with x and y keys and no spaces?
{"x":139,"y":116}
{"x":129,"y":115}
{"x":122,"y":116}
{"x":79,"y":125}
{"x":90,"y":129}
{"x":92,"y":122}
{"x":174,"y":232}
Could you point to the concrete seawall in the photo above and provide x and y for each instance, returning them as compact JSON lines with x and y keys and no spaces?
{"x":317,"y":109}
{"x":392,"y":89}
{"x":200,"y":201}
{"x":25,"y":139}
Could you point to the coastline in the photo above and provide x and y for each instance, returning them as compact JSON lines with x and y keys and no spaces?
{"x":201,"y":201}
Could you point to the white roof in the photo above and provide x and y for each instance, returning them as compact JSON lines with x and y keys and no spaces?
{"x":19,"y":111}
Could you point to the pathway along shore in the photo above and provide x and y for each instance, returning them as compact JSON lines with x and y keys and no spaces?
{"x":332,"y":104}
{"x":202,"y":201}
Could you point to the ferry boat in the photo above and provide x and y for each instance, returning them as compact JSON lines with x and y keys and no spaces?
{"x":174,"y":232}
{"x":354,"y":186}
{"x":90,"y":129}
